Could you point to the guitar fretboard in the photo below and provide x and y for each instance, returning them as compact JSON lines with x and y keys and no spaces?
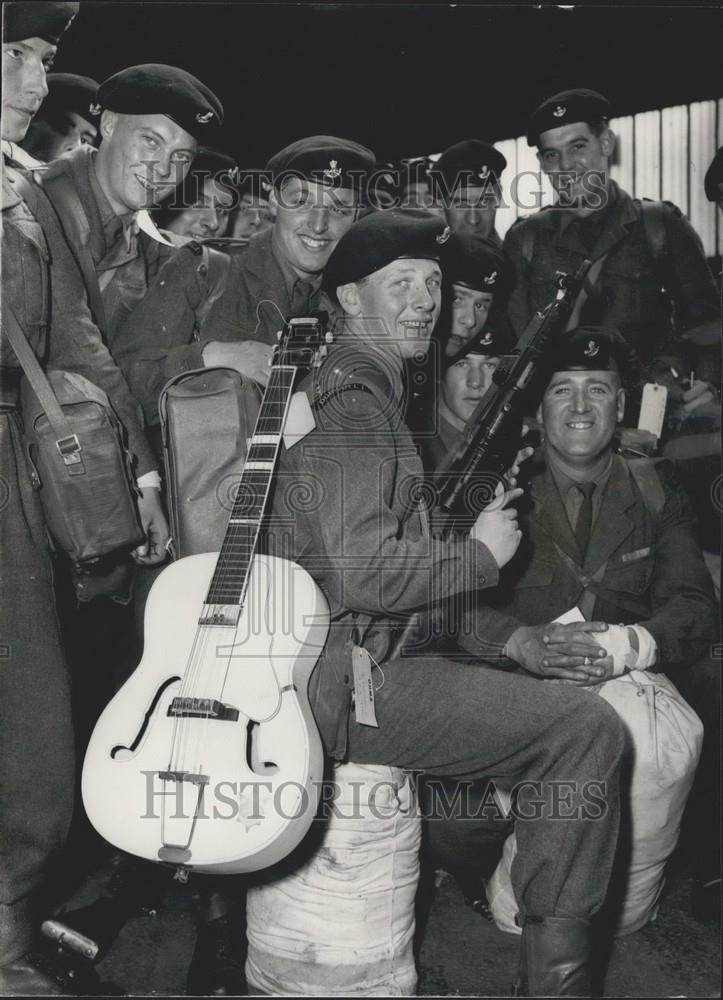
{"x":230,"y":578}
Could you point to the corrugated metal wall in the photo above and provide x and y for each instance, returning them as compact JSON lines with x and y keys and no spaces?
{"x":659,"y":154}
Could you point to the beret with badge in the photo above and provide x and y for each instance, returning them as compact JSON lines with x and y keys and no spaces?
{"x":475,"y":261}
{"x":490,"y":343}
{"x":70,"y":92}
{"x":324,"y":159}
{"x":383,"y":237}
{"x":471,"y":163}
{"x":37,"y":19}
{"x":157,"y":89}
{"x":566,"y":108}
{"x":593,"y":348}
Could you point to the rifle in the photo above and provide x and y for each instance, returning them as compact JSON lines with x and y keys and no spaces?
{"x":466,"y":482}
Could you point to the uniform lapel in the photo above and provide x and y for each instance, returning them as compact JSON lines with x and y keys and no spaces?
{"x":264,"y":277}
{"x":612,"y":525}
{"x":549,"y":513}
{"x":618,"y":224}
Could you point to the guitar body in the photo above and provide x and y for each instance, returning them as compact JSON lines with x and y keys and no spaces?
{"x":209,"y":757}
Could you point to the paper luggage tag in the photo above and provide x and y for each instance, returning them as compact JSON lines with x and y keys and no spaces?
{"x":363,"y":688}
{"x":573,"y":615}
{"x":652,"y":408}
{"x":299,"y":420}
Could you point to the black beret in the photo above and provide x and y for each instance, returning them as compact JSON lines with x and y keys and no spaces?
{"x":714,"y":176}
{"x":324,"y":159}
{"x":472,"y":163}
{"x":565,"y":108}
{"x":475,"y":261}
{"x":592,"y":348}
{"x":37,"y":19}
{"x":210,"y":161}
{"x":156,"y":89}
{"x":490,"y":343}
{"x":70,"y":92}
{"x":380,"y":238}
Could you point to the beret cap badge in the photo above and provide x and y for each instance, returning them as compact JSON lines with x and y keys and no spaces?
{"x":94,"y":109}
{"x":490,"y":278}
{"x":333,"y":170}
{"x":591,"y":350}
{"x":487,"y":339}
{"x":203,"y":119}
{"x":444,"y":235}
{"x":559,"y":111}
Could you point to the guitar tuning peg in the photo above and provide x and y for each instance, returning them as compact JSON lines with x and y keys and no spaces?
{"x":329,"y":337}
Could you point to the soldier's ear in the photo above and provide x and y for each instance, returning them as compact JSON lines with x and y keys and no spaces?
{"x":273,"y":201}
{"x":621,"y":404}
{"x":607,"y":142}
{"x":107,"y":125}
{"x":348,"y":296}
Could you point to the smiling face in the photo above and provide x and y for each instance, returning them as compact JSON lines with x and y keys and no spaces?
{"x":576,"y":160}
{"x":464,"y":385}
{"x":311,"y":218}
{"x":579,"y":412}
{"x":208,"y":217}
{"x":141,"y":160}
{"x":399,"y":303}
{"x":24,"y":68}
{"x":470,"y":309}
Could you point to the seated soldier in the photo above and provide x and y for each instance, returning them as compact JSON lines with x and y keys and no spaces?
{"x":610,"y":537}
{"x":201,"y":206}
{"x":367,"y":544}
{"x":64,"y":121}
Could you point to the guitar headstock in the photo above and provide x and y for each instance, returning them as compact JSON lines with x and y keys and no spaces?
{"x":302,"y":342}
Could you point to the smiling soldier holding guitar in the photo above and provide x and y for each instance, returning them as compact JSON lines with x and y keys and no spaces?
{"x":346,"y":507}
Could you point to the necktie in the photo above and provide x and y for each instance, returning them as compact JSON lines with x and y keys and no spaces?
{"x":584,"y":516}
{"x":301,"y":297}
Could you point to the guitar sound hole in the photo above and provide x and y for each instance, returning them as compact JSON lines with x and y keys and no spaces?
{"x":258,"y":766}
{"x":120,"y":752}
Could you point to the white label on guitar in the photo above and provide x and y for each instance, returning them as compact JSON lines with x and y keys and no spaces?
{"x":652,"y":408}
{"x":363,"y":688}
{"x":299,"y":420}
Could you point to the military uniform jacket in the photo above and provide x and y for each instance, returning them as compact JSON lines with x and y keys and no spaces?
{"x":628,"y":293}
{"x":641,"y":567}
{"x":346,"y":507}
{"x":42,"y":281}
{"x":257,"y":301}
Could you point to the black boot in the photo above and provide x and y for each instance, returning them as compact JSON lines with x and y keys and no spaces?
{"x":555,"y":958}
{"x":217,"y":966}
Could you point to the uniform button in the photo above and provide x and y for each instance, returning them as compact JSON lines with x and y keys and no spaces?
{"x":346,"y":678}
{"x":481,"y":578}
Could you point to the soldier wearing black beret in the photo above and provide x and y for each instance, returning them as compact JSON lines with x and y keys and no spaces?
{"x":65,"y":121}
{"x":475,"y":271}
{"x":254,"y":213}
{"x":367,"y":543}
{"x":649,"y":279}
{"x":201,"y":206}
{"x":465,"y":181}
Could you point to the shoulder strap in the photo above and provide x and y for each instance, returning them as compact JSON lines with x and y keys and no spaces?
{"x":66,"y":441}
{"x":653,"y":214}
{"x":645,"y":473}
{"x":66,"y":202}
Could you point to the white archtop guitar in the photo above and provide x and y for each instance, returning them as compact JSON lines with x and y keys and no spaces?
{"x":208,"y":758}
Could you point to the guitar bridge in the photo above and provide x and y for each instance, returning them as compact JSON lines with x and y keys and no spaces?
{"x":202,"y":708}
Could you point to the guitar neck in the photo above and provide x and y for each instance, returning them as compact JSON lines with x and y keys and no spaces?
{"x":228,"y":587}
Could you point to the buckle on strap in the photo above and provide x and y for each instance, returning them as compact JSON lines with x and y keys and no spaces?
{"x":69,"y":448}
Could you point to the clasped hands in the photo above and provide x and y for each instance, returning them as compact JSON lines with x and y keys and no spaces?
{"x":568,"y":652}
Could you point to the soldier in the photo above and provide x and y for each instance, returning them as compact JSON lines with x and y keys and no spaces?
{"x":646,"y":257}
{"x":201,"y":206}
{"x":318,"y":188}
{"x":254,"y":213}
{"x":38,"y":775}
{"x":64,"y":121}
{"x":368,"y":546}
{"x":466,"y":182}
{"x":476,"y":274}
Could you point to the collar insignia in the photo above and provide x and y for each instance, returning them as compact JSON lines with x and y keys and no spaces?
{"x":487,"y":339}
{"x":444,"y":235}
{"x":559,"y":111}
{"x":591,"y":350}
{"x":491,"y":278}
{"x":94,"y":109}
{"x":333,"y":170}
{"x":204,"y":119}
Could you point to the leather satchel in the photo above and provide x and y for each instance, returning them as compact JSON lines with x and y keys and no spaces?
{"x":76,"y":458}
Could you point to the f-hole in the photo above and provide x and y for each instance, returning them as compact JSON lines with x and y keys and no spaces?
{"x":255,"y":764}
